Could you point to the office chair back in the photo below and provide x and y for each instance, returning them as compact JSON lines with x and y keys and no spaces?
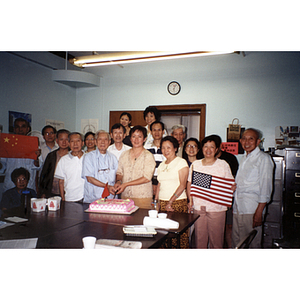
{"x":247,"y":241}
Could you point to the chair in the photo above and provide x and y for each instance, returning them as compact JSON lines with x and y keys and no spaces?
{"x":247,"y":241}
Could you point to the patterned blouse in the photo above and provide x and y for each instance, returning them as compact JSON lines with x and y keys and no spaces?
{"x":143,"y":166}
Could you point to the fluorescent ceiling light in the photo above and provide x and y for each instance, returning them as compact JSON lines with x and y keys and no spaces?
{"x":137,"y":56}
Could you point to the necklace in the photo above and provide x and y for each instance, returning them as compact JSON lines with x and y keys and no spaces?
{"x":135,"y":156}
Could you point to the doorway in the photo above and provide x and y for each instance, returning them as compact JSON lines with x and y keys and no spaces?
{"x":191,"y":115}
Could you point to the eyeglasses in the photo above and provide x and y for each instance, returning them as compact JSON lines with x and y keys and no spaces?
{"x":191,"y":146}
{"x":49,"y":133}
{"x":22,"y":179}
{"x":106,"y":171}
{"x":90,"y":139}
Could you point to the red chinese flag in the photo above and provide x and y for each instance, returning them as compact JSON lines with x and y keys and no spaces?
{"x":18,"y":146}
{"x":105,"y":192}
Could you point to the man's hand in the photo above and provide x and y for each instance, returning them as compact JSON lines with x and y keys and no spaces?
{"x":257,"y":218}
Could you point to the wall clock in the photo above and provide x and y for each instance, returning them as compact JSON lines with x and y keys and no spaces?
{"x":174,"y":88}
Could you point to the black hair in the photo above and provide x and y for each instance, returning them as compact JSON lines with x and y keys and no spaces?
{"x":199,"y":155}
{"x":153,"y":110}
{"x":48,"y":126}
{"x":118,"y":126}
{"x":158,"y":122}
{"x":89,"y":133}
{"x":172,"y":140}
{"x":22,"y":120}
{"x":213,"y":138}
{"x":61,"y":131}
{"x":138,"y":128}
{"x":18,"y":172}
{"x":125,"y":113}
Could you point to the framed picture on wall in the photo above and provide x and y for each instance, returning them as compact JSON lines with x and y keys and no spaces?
{"x":13,"y":115}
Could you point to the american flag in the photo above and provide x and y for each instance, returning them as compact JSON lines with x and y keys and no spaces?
{"x":212,"y":188}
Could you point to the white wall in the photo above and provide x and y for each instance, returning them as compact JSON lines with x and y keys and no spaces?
{"x":28,"y":87}
{"x":261,"y":89}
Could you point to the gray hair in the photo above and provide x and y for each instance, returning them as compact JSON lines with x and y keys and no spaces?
{"x":257,"y":132}
{"x":74,"y":133}
{"x":179,"y":126}
{"x":102,"y":132}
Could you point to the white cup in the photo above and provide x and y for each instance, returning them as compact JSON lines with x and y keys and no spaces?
{"x":162,"y":215}
{"x":89,"y":242}
{"x":38,"y":204}
{"x":54,"y":203}
{"x":152,"y":213}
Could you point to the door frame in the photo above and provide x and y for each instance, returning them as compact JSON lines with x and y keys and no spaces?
{"x":185,"y":108}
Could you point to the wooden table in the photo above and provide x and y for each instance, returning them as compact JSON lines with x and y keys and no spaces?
{"x":66,"y":227}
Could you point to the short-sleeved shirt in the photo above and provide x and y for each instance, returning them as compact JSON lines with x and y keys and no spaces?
{"x":112,"y":149}
{"x":102,"y":167}
{"x":69,"y":168}
{"x":221,"y":169}
{"x":168,"y":177}
{"x":143,"y":166}
{"x":158,"y":156}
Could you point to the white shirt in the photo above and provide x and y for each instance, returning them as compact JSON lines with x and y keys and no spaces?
{"x":254,"y":181}
{"x":45,"y":150}
{"x":69,"y":169}
{"x":112,"y":149}
{"x":158,"y":156}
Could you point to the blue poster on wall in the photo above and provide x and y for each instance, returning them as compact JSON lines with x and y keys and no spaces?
{"x":13,"y":115}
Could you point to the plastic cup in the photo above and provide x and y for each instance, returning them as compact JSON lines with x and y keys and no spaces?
{"x":152,"y":213}
{"x":162,"y":215}
{"x":89,"y":242}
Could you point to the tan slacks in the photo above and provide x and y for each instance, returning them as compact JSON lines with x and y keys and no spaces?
{"x":241,"y":228}
{"x":209,"y":229}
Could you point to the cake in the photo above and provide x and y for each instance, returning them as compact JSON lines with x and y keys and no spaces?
{"x":112,"y":205}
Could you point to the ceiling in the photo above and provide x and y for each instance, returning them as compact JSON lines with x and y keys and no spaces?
{"x":72,"y":54}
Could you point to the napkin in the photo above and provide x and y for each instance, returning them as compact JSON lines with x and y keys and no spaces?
{"x":16,"y":219}
{"x":5,"y":224}
{"x":160,"y":223}
{"x":19,"y":244}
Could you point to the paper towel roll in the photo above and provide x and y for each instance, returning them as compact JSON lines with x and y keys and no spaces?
{"x":160,"y":223}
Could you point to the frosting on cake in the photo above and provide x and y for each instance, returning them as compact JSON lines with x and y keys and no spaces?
{"x":112,"y":205}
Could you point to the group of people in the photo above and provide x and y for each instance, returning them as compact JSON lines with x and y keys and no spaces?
{"x":144,"y":163}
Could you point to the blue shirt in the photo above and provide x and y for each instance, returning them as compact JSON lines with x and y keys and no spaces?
{"x":254,"y":182}
{"x":9,"y":164}
{"x":101,"y":167}
{"x":11,"y":198}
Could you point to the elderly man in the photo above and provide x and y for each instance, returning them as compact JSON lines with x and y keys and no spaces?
{"x":22,"y":127}
{"x":69,"y":168}
{"x":179,"y":133}
{"x":99,"y":168}
{"x":253,"y":189}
